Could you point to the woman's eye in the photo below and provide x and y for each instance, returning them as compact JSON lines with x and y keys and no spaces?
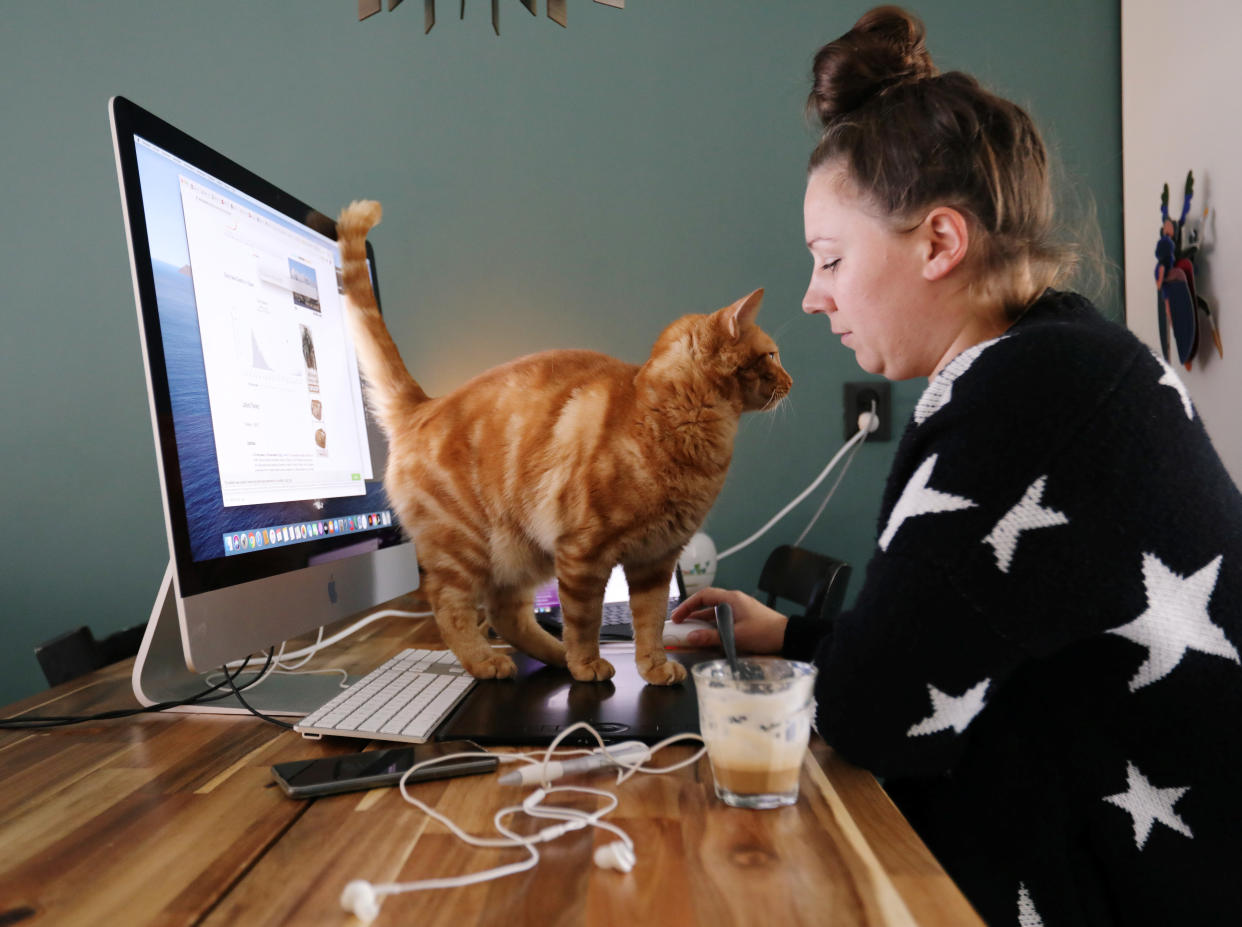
{"x":831,"y":265}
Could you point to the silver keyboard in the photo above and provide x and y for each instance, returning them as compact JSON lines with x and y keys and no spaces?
{"x":403,"y":700}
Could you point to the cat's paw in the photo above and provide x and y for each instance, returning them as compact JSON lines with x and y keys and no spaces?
{"x":596,"y":670}
{"x":668,"y":673}
{"x":495,"y":666}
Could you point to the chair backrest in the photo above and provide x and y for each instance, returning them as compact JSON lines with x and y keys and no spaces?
{"x":814,"y":581}
{"x":76,"y":652}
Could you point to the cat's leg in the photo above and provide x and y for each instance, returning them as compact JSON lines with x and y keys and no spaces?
{"x":457,"y":617}
{"x":512,"y":613}
{"x":581,"y":591}
{"x":649,"y":585}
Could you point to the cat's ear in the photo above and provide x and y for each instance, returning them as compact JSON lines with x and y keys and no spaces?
{"x":741,"y":315}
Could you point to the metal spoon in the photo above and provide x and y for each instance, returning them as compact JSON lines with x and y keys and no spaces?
{"x":724,"y":624}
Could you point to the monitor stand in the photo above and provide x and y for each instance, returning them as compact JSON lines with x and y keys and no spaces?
{"x":161,"y":674}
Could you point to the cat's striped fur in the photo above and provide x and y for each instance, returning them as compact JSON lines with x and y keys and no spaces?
{"x":561,"y":463}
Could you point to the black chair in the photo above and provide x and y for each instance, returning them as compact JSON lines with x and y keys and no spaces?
{"x":77,"y":652}
{"x":814,"y":581}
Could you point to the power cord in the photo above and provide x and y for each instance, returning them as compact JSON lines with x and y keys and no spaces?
{"x":245,"y":704}
{"x":320,"y":644}
{"x":867,"y":423}
{"x":353,"y":629}
{"x":213,"y":693}
{"x":207,"y":695}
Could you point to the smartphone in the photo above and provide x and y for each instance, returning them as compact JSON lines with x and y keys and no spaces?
{"x":374,"y":768}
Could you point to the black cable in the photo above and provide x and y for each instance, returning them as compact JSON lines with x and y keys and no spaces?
{"x":207,"y":695}
{"x":245,"y":704}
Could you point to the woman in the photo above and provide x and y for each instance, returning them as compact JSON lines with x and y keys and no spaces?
{"x":1043,"y":661}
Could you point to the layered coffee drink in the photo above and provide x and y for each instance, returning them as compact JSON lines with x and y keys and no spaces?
{"x":756,"y":726}
{"x":744,"y":780}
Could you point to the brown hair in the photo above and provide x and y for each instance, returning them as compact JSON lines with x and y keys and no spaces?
{"x":911,"y":138}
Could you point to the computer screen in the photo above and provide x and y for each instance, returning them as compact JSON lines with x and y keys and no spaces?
{"x":270,"y":466}
{"x":548,"y":599}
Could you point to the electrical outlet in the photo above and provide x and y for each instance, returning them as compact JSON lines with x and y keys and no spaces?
{"x":858,"y":399}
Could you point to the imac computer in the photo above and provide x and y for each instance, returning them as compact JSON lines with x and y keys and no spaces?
{"x":269,"y":464}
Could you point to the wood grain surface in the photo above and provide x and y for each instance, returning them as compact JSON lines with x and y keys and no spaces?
{"x":173,"y":819}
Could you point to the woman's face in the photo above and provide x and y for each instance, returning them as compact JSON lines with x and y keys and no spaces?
{"x":868,"y":280}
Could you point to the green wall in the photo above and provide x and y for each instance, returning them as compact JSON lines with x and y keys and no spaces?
{"x":548,"y":188}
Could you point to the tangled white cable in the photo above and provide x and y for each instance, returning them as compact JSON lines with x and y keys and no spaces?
{"x":362,"y":898}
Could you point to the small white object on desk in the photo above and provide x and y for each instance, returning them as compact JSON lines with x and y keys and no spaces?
{"x":675,"y":634}
{"x":629,"y":752}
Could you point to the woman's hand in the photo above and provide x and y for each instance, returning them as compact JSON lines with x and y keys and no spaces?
{"x":756,"y":628}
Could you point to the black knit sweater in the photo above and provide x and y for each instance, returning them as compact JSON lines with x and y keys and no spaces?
{"x":1043,"y":661}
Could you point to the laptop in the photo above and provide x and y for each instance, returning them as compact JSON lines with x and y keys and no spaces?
{"x":541,"y":701}
{"x":617,"y":624}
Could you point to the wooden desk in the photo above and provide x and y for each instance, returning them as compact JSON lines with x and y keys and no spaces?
{"x":173,"y":819}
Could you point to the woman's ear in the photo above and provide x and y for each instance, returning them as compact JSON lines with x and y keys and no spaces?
{"x":947,"y":234}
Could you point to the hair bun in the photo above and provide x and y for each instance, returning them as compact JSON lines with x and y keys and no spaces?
{"x":884,"y":49}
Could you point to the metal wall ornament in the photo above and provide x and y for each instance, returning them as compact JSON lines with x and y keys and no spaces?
{"x":555,"y":9}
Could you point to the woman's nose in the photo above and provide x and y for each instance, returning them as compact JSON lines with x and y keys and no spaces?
{"x":813,"y":302}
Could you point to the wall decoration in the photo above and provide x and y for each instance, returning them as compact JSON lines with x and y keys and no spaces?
{"x":556,"y":10}
{"x":1180,"y":306}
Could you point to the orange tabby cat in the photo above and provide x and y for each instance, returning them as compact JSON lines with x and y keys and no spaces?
{"x":561,"y":463}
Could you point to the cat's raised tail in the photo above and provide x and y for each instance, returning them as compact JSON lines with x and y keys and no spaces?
{"x":391,"y":390}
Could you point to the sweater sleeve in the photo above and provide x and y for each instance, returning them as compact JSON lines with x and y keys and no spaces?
{"x":803,"y":637}
{"x":904,"y":674}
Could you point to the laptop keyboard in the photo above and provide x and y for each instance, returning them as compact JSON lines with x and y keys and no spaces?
{"x":405,"y":700}
{"x":616,"y":613}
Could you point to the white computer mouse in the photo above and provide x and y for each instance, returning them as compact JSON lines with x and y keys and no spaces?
{"x":675,"y":634}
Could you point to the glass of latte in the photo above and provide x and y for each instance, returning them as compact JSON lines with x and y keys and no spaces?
{"x":756,"y":723}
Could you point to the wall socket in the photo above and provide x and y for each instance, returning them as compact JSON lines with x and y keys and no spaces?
{"x":858,"y":399}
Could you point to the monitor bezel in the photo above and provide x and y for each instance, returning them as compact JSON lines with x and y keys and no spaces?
{"x":129,"y":122}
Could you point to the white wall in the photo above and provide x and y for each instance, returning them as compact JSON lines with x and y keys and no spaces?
{"x":1181,"y":111}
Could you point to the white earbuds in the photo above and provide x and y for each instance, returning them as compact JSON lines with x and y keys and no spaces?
{"x":615,"y":855}
{"x":362,"y":899}
{"x":533,"y":799}
{"x":359,"y":899}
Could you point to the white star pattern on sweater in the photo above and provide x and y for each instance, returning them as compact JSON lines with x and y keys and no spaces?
{"x":939,"y":391}
{"x":949,"y":711}
{"x":1147,"y":804}
{"x":1171,"y":379}
{"x":1024,"y":516}
{"x":920,"y":499}
{"x":1027,"y":915}
{"x":1176,"y":620}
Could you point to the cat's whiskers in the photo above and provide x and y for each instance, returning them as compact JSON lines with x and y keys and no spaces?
{"x":778,"y":412}
{"x":774,"y":402}
{"x":784,"y":325}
